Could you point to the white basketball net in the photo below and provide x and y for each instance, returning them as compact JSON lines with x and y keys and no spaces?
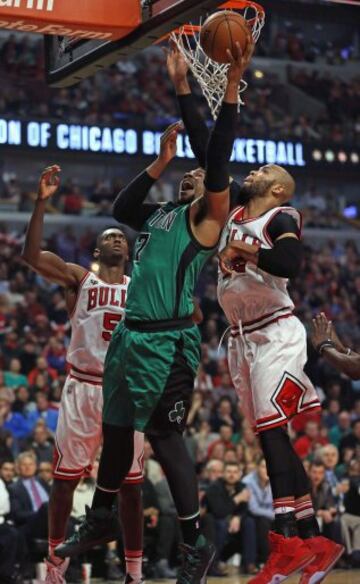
{"x":212,"y":76}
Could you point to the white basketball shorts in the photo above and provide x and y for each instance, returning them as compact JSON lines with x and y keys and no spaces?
{"x":79,"y":433}
{"x":267,"y":370}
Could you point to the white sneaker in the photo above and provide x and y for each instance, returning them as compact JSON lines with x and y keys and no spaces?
{"x":55,"y":573}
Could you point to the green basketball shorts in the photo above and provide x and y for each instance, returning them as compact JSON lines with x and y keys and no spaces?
{"x":149,"y":378}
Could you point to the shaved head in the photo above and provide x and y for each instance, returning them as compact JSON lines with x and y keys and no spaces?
{"x":284,"y":179}
{"x":270,"y":181}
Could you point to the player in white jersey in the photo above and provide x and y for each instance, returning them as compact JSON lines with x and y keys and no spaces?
{"x":95,"y":303}
{"x":260,"y":249}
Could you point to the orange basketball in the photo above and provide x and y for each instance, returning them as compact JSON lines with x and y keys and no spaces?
{"x":221,"y":31}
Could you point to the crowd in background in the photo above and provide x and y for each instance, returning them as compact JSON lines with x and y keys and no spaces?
{"x":235,"y":495}
{"x":137,"y":93}
{"x":320,"y":205}
{"x":292,"y":43}
{"x":234,"y":488}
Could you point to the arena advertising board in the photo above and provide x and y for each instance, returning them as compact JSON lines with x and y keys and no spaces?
{"x":81,"y":19}
{"x":106,"y":140}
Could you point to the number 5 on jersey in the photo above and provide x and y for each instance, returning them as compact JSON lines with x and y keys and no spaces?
{"x":140,"y":245}
{"x":110,"y":321}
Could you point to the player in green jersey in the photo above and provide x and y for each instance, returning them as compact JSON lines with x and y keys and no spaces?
{"x":155,"y":352}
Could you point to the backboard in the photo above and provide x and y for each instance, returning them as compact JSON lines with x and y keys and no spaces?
{"x":68,"y":61}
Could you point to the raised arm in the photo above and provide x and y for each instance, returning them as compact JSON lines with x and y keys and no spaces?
{"x":208,"y":215}
{"x":327,"y":344}
{"x":194,"y":123}
{"x":46,"y":263}
{"x":129,"y":207}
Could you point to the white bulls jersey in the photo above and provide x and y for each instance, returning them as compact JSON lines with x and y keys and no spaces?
{"x":99,"y":307}
{"x":252,"y":296}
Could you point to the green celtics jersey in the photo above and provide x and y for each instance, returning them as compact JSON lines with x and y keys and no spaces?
{"x":166,"y":264}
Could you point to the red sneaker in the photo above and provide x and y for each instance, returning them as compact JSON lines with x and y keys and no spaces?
{"x":287,"y":555}
{"x":327,"y":553}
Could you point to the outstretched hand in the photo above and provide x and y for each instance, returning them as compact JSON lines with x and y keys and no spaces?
{"x":49,"y":182}
{"x":239,"y":61}
{"x":168,"y":142}
{"x":322,"y":330}
{"x":176,"y":65}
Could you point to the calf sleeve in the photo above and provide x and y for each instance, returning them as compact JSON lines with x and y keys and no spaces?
{"x":171,"y":452}
{"x":278,"y":454}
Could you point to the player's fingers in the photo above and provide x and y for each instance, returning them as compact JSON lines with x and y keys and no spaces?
{"x":230,"y":57}
{"x":46,"y":176}
{"x":239,"y":53}
{"x":177,"y":127}
{"x":51,"y":168}
{"x":172,"y":45}
{"x":172,"y":127}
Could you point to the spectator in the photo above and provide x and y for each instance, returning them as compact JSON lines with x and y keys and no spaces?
{"x":350,"y":520}
{"x":6,"y":443}
{"x":204,"y":437}
{"x":29,"y":497}
{"x":341,"y":428}
{"x":225,"y":438}
{"x":226,"y":503}
{"x":323,"y":502}
{"x":10,"y":542}
{"x":40,"y":444}
{"x":13,"y":378}
{"x":22,"y":398}
{"x":332,"y":415}
{"x":43,"y":368}
{"x":223,"y":415}
{"x":329,"y":456}
{"x":16,"y":423}
{"x":7,"y":472}
{"x":45,"y":473}
{"x":44,"y":412}
{"x":214,"y":470}
{"x":169,"y":533}
{"x":352,"y":440}
{"x":306,"y":445}
{"x":260,"y":507}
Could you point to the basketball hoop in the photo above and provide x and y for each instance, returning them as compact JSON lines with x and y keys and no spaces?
{"x":212,"y":76}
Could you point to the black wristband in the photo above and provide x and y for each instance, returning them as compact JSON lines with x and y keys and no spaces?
{"x":327,"y":343}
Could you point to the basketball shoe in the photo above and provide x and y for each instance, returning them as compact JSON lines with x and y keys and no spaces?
{"x":195,"y":562}
{"x":287,"y":555}
{"x":98,"y":527}
{"x":327,"y":553}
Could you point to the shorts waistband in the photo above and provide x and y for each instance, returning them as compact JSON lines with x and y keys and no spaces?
{"x":260,"y":323}
{"x":91,"y":378}
{"x":153,"y":326}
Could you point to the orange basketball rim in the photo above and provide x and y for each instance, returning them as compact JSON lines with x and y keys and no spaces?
{"x":91,"y":19}
{"x":253,"y":12}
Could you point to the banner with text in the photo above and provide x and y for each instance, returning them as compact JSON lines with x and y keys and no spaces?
{"x":77,"y":138}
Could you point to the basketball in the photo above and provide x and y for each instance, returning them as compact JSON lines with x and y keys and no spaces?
{"x":220,"y":32}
